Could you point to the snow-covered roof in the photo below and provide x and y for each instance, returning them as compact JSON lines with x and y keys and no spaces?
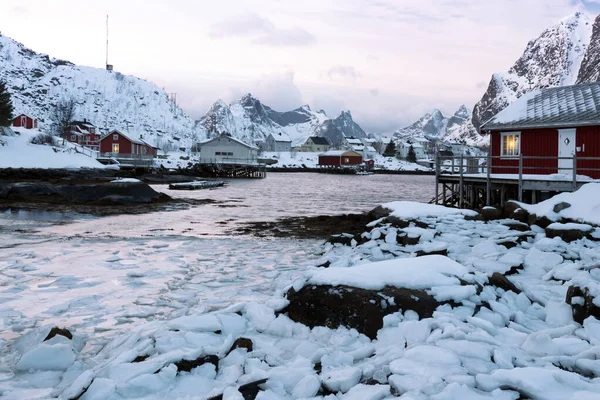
{"x":231,"y":138}
{"x":559,"y":107}
{"x":337,"y":153}
{"x":370,"y":148}
{"x":358,"y":148}
{"x":23,"y":114}
{"x":353,"y":141}
{"x":281,"y":137}
{"x":319,"y":140}
{"x":131,"y":139}
{"x":414,"y":145}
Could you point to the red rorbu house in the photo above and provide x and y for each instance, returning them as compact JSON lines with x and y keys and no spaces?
{"x":83,"y":133}
{"x":121,"y":146}
{"x":340,"y":158}
{"x":549,"y":131}
{"x":25,"y":121}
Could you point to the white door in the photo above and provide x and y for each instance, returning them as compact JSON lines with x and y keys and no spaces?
{"x":566,"y":148}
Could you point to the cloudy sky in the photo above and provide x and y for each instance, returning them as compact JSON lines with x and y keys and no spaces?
{"x":388,"y":61}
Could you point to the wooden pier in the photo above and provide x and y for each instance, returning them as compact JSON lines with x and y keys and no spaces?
{"x":230,"y":168}
{"x":475,"y":182}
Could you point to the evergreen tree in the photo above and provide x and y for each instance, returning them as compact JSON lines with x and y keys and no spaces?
{"x":6,"y":107}
{"x":390,"y":149}
{"x":412,"y":156}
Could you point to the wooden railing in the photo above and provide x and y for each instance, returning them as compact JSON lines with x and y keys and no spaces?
{"x":489,"y":167}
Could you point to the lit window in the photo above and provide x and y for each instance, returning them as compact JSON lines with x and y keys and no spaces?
{"x":115,"y":148}
{"x":511,"y":144}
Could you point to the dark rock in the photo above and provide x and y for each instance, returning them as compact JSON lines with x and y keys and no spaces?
{"x":509,"y":244}
{"x":334,"y":306}
{"x":514,"y":269}
{"x":326,"y":264}
{"x":115,"y":193}
{"x":397,"y":222}
{"x":343,"y":239}
{"x":516,"y":226}
{"x":242,"y":343}
{"x":407,"y":240}
{"x":542,"y":222}
{"x":249,"y":391}
{"x":378,"y":212}
{"x":501,"y":281}
{"x":561,"y":206}
{"x":188,"y":365}
{"x":422,"y":253}
{"x":568,"y":235}
{"x":510,"y":207}
{"x":140,"y":358}
{"x":520,"y":215}
{"x":491,"y":213}
{"x":582,"y":304}
{"x":59,"y":331}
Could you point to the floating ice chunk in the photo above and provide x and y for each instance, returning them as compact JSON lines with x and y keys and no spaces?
{"x":307,"y":387}
{"x":558,"y":313}
{"x":53,"y":355}
{"x":537,"y":259}
{"x":455,"y":293}
{"x":259,"y":315}
{"x":455,"y":391}
{"x":414,"y":273}
{"x":206,"y":323}
{"x":367,"y":392}
{"x":341,"y":379}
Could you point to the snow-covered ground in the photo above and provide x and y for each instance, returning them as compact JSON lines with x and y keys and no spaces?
{"x":18,"y":152}
{"x":137,"y":310}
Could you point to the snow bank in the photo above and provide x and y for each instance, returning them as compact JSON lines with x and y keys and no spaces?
{"x":584,"y":205}
{"x":412,"y":210}
{"x":18,"y":152}
{"x":411,"y":273}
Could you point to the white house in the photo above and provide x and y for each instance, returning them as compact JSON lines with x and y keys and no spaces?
{"x":457,"y":148}
{"x":226,"y":150}
{"x":403,"y":148}
{"x":278,"y":142}
{"x":351,"y":143}
{"x":315,"y":144}
{"x":369,"y":153}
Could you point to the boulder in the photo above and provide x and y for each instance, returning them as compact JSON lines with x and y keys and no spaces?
{"x":516,"y":226}
{"x":501,"y":281}
{"x":520,"y":215}
{"x":510,"y":207}
{"x":542,"y":221}
{"x":563,"y":205}
{"x":242,"y":343}
{"x":491,"y":213}
{"x":120,"y":193}
{"x":582,"y":304}
{"x":378,"y":212}
{"x":361,"y":309}
{"x":188,"y":365}
{"x":568,"y":232}
{"x":343,"y":239}
{"x":59,"y":331}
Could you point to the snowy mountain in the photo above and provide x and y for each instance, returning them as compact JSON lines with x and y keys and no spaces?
{"x":458,"y":127}
{"x":109,"y":100}
{"x":252,"y":121}
{"x":590,"y":66}
{"x":553,"y":59}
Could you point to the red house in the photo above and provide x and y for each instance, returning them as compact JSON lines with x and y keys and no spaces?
{"x":25,"y":121}
{"x":83,"y":133}
{"x":550,"y":130}
{"x":340,"y":158}
{"x":119,"y":145}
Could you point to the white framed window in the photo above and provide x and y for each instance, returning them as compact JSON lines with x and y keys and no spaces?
{"x":115,"y":137}
{"x":510,"y":144}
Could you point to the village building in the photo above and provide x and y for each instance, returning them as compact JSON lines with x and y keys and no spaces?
{"x":278,"y":142}
{"x":315,"y":144}
{"x":403,"y":148}
{"x":457,"y":148}
{"x":127,"y":150}
{"x":225,"y":149}
{"x":25,"y":121}
{"x":340,"y":158}
{"x":369,"y":153}
{"x":351,"y":143}
{"x":83,"y":133}
{"x":558,"y":124}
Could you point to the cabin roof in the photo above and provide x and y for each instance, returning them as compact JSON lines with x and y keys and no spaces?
{"x":228,"y":137}
{"x":20,"y":115}
{"x":353,"y":141}
{"x":281,"y":137}
{"x":339,"y":153}
{"x":559,"y":107}
{"x":319,"y":140}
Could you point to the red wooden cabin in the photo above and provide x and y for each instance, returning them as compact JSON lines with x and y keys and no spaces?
{"x":25,"y":121}
{"x":340,"y":158}
{"x":118,"y":144}
{"x":555,"y":122}
{"x":83,"y":133}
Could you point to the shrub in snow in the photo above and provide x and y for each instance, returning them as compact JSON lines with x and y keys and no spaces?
{"x":43,"y":139}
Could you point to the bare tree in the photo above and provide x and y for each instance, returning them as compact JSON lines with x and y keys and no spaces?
{"x":62,"y":115}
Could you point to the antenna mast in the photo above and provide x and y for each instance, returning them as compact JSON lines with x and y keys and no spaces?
{"x":109,"y":67}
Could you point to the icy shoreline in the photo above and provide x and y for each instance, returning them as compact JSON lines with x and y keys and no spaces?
{"x":502,"y":328}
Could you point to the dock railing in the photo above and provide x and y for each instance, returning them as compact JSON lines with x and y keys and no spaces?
{"x":520,"y":168}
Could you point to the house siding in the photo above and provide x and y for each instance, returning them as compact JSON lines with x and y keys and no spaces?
{"x":534,"y":142}
{"x":240,"y":153}
{"x":588,"y":142}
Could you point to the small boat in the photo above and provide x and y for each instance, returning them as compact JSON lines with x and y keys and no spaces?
{"x":196,"y":185}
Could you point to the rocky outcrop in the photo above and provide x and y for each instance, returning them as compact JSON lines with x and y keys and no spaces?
{"x":582,"y":304}
{"x":590,"y":66}
{"x":361,"y":309}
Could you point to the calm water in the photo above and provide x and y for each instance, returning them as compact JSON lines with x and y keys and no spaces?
{"x":104,"y":275}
